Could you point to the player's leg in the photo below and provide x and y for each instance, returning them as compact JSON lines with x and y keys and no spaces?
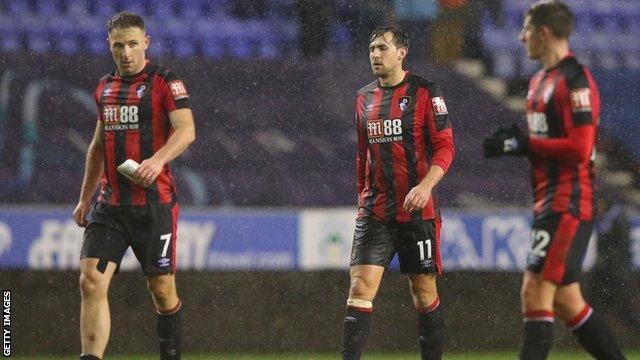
{"x":430,"y":315}
{"x":102,"y":251}
{"x":373,"y":249}
{"x":168,"y":314}
{"x":551,"y":235}
{"x":95,"y":319}
{"x":536,"y":297}
{"x":419,"y":256}
{"x":155,"y":247}
{"x":570,"y":305}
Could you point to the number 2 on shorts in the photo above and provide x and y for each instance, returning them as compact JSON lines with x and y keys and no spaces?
{"x":422,"y":245}
{"x":167,"y":239}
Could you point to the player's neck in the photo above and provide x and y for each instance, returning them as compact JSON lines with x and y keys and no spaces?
{"x":556,"y":53}
{"x":394,"y":78}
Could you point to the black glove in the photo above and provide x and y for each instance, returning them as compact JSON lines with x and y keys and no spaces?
{"x":506,"y":141}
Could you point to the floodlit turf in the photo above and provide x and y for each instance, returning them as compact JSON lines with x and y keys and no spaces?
{"x":387,"y":356}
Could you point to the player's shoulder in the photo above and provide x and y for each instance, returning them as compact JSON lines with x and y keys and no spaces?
{"x":164,"y":73}
{"x":419,"y":81}
{"x":574,"y":73}
{"x":369,"y":87}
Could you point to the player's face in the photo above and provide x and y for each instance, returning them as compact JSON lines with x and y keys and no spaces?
{"x":385,"y":57}
{"x":127,"y":46}
{"x":532,"y":37}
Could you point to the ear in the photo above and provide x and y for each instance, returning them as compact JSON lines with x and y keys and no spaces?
{"x":402,"y":53}
{"x":147,"y":41}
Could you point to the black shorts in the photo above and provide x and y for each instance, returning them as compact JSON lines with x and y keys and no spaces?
{"x":150,"y":230}
{"x":559,"y":244}
{"x":417,"y":243}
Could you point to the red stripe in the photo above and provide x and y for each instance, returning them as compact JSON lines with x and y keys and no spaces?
{"x":564,"y":188}
{"x":160,"y":124}
{"x":400,"y":171}
{"x":175,"y":210}
{"x":381,"y":186}
{"x":438,"y":257}
{"x":171,"y":311}
{"x":434,"y":305}
{"x":580,"y":317}
{"x":110,"y":151}
{"x":539,"y":314}
{"x":110,"y":170}
{"x":554,"y":266}
{"x":429,"y":211}
{"x":361,"y":309}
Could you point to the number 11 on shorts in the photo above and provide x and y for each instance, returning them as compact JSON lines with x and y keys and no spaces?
{"x":422,"y":245}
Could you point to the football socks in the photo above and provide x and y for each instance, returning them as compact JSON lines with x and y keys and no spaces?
{"x":538,"y":335}
{"x":357,"y":323}
{"x":431,"y":330}
{"x":169,"y":326}
{"x":594,"y":335}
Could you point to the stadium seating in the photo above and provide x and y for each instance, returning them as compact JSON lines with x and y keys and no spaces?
{"x":603,"y":37}
{"x":183,"y":28}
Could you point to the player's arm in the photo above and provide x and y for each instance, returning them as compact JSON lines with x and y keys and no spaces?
{"x":94,"y":168}
{"x":576,"y":98}
{"x":441,"y":136}
{"x":184,"y":133}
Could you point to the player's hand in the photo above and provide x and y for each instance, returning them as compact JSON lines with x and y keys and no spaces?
{"x":506,"y":141}
{"x":80,"y":213}
{"x":417,"y":198}
{"x":148,"y":171}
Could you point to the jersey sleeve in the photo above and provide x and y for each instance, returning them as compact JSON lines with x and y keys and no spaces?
{"x":439,"y":126}
{"x":361,"y":155}
{"x":575,"y":99}
{"x":173,"y":92}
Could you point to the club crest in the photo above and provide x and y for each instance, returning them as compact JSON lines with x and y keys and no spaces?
{"x":140,"y":90}
{"x":404,"y":102}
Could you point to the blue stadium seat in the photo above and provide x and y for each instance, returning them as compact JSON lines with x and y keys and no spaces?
{"x":211,"y":37}
{"x":11,"y":39}
{"x":179,"y":38}
{"x":65,"y":35}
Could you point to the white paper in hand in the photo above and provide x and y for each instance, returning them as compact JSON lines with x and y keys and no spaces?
{"x":127,"y":168}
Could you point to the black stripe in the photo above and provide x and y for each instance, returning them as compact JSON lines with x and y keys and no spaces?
{"x":554,"y":120}
{"x":145,"y":113}
{"x":574,"y":202}
{"x":409,"y":140}
{"x":386,"y":157}
{"x":121,"y":144}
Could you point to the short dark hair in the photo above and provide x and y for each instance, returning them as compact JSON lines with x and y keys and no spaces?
{"x":125,"y":19}
{"x":554,"y":14}
{"x":400,"y":38}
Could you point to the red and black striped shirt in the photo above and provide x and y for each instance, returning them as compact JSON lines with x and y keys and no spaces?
{"x":134,"y":112}
{"x":402,"y":131}
{"x":563,"y":111}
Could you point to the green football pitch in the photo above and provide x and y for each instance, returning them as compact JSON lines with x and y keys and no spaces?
{"x":310,"y":356}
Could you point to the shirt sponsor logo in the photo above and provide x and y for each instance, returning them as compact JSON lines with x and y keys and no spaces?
{"x":120,"y":117}
{"x":548,"y":92}
{"x":384,"y":131}
{"x":538,"y":124}
{"x":581,"y":100}
{"x":439,"y":106}
{"x":178,"y":89}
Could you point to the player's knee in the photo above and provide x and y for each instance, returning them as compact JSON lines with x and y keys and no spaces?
{"x":161,"y":290}
{"x":424,"y":293}
{"x":361,"y":288}
{"x":91,"y":285}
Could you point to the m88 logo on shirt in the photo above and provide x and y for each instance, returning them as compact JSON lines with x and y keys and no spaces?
{"x":383,"y":131}
{"x":120,"y":117}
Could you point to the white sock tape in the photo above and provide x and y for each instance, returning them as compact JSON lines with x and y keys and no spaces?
{"x":360,"y":303}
